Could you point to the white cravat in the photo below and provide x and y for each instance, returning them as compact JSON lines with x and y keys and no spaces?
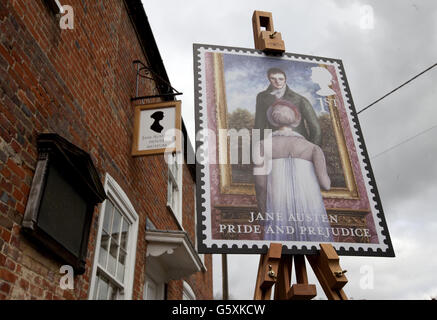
{"x":278,"y":93}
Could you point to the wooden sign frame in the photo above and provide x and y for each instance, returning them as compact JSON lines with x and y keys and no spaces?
{"x":137,"y":127}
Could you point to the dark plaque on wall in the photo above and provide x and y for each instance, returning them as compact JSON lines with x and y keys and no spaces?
{"x":64,"y":191}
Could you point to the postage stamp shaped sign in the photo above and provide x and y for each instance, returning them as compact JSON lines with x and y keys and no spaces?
{"x":281,"y":157}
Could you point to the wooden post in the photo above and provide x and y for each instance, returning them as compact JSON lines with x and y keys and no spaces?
{"x":269,"y":264}
{"x":327,"y":269}
{"x":267,"y":272}
{"x":275,"y":268}
{"x":301,"y":290}
{"x":284,"y":277}
{"x":225,"y":287}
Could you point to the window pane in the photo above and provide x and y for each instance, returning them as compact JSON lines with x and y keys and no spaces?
{"x":120,"y":295}
{"x":121,"y":265}
{"x":151,"y":290}
{"x":112,"y":262}
{"x":113,"y":293}
{"x":174,"y":170}
{"x":124,"y":234}
{"x":108,"y":215}
{"x":116,"y":294}
{"x":103,"y":252}
{"x":116,"y":225}
{"x":172,"y":164}
{"x":175,"y":165}
{"x":175,"y":199}
{"x":103,"y":289}
{"x":110,"y":292}
{"x":188,"y":293}
{"x":96,"y":288}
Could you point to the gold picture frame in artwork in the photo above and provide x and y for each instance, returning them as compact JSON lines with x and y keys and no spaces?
{"x":228,"y":186}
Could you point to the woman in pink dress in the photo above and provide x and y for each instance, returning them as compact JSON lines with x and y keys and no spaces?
{"x":290,"y":193}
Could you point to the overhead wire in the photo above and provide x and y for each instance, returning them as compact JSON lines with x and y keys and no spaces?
{"x":394,"y":90}
{"x":386,"y":95}
{"x":402,"y":142}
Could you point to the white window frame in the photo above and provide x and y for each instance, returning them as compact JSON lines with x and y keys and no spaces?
{"x":188,"y":292}
{"x":175,"y":182}
{"x":122,"y":202}
{"x":154,"y":274}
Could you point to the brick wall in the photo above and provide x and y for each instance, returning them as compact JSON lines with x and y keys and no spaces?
{"x":77,"y":83}
{"x":202,"y":281}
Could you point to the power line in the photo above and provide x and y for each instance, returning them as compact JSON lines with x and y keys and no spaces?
{"x":404,"y":141}
{"x":416,"y":76}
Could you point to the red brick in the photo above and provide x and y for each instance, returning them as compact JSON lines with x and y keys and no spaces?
{"x":12,"y":252}
{"x":5,"y":287}
{"x":36,"y":291}
{"x":68,"y":295}
{"x":6,"y":55}
{"x":49,"y":285}
{"x":16,"y":180}
{"x":28,"y":160}
{"x":25,"y":189}
{"x":6,"y":222}
{"x":16,"y":229}
{"x":7,"y":276}
{"x":20,"y":208}
{"x":5,"y":172}
{"x":5,"y":235}
{"x":24,"y":284}
{"x":48,"y":295}
{"x":18,"y":7}
{"x":17,"y":195}
{"x":64,"y":97}
{"x":5,"y":186}
{"x":15,"y":168}
{"x":15,"y":241}
{"x":37,"y":281}
{"x":15,"y":146}
{"x":10,"y":265}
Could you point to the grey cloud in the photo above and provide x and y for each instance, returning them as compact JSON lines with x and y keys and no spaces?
{"x":403,"y":43}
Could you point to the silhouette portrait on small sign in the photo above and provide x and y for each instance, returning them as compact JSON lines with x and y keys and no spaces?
{"x":157,"y":116}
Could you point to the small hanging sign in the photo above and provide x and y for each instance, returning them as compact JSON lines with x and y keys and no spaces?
{"x":157,"y":128}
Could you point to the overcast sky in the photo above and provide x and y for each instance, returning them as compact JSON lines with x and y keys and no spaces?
{"x":377,"y":58}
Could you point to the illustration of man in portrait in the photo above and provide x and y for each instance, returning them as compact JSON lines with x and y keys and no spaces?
{"x":278,"y":89}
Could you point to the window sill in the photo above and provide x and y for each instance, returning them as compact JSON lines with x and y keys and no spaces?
{"x":174,"y":250}
{"x":170,"y":208}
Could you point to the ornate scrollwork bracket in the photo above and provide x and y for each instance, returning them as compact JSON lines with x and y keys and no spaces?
{"x":145,"y":72}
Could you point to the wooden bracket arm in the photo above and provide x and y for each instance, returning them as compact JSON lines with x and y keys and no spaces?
{"x":326,"y":266}
{"x":266,"y":39}
{"x":268,"y":272}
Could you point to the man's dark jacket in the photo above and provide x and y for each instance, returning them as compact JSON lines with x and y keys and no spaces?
{"x":264,"y":100}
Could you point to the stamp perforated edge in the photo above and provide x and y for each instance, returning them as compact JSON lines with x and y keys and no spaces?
{"x":209,"y":245}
